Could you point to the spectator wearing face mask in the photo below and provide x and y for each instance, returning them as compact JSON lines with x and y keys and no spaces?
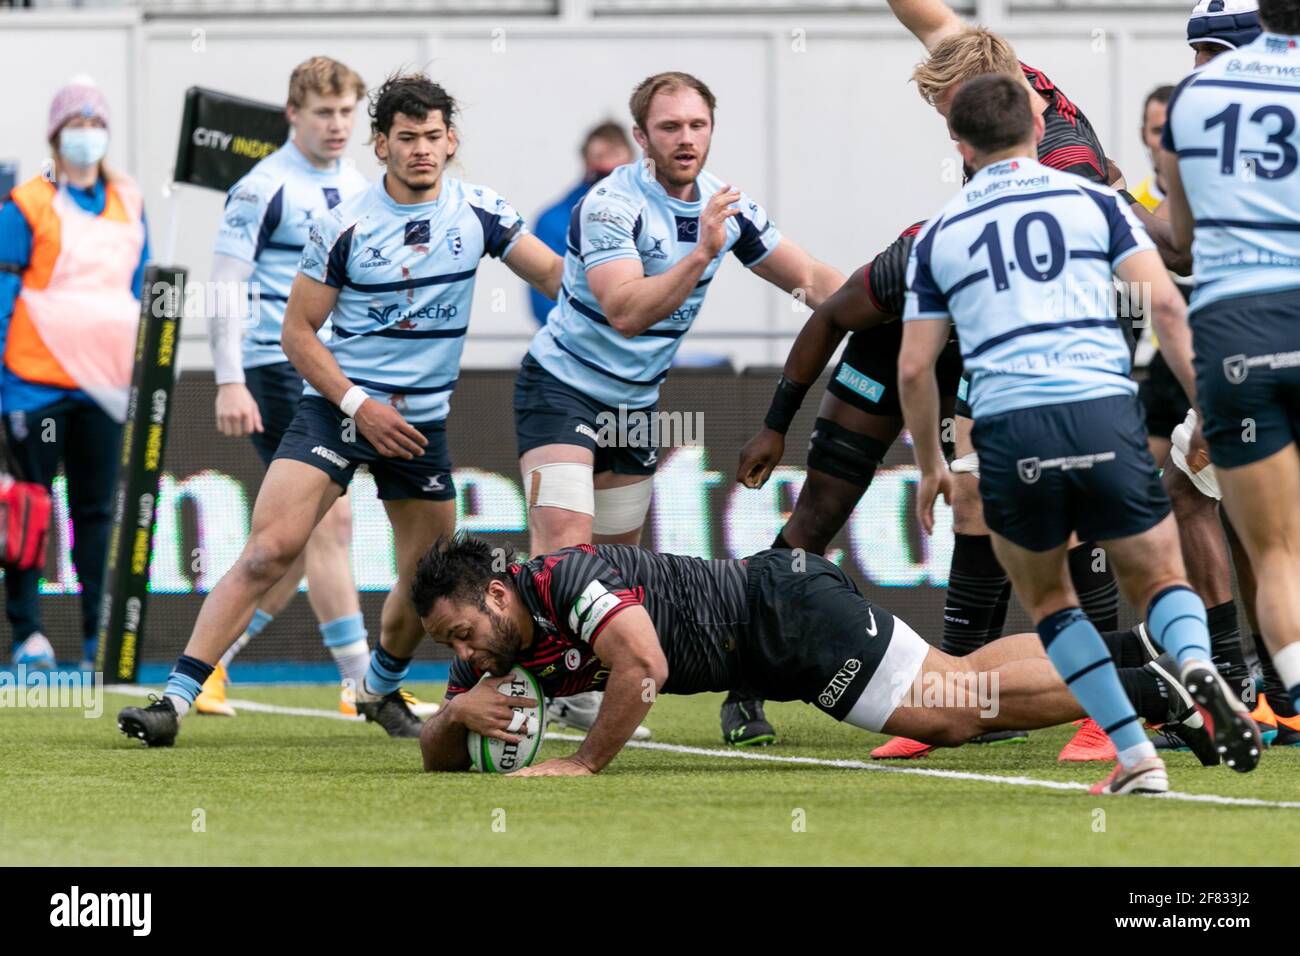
{"x":605,"y":148}
{"x":73,"y":245}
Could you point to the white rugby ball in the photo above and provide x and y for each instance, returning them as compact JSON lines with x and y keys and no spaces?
{"x":493,"y":755}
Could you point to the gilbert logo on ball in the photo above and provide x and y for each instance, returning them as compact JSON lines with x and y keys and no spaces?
{"x":493,"y":755}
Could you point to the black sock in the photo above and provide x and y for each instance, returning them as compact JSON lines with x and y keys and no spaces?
{"x":199,"y":671}
{"x":1146,"y":692}
{"x":1098,"y":592}
{"x":1125,"y":647}
{"x":1225,"y":649}
{"x":780,"y":541}
{"x":974,"y":586}
{"x":999,"y":619}
{"x":1274,"y":690}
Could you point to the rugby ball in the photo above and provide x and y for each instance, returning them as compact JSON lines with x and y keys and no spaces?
{"x":493,"y":755}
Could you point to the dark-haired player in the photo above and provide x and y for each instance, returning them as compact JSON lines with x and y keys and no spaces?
{"x":978,"y":589}
{"x":1058,"y":426}
{"x":393,"y":268}
{"x":786,"y":625}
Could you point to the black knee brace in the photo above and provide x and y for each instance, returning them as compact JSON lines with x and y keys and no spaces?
{"x":844,"y":454}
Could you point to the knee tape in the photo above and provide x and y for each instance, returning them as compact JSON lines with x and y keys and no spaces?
{"x":623,"y":509}
{"x":844,"y":454}
{"x":561,"y":484}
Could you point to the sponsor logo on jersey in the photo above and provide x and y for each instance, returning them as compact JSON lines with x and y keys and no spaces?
{"x":417,"y":232}
{"x":374,"y":257}
{"x":657,"y":250}
{"x":333,"y":457}
{"x":235,"y":220}
{"x":607,"y":215}
{"x":584,"y":429}
{"x":839,"y":683}
{"x":388,"y":314}
{"x":688,"y":228}
{"x":873,"y":627}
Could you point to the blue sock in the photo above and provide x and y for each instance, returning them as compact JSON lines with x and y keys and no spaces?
{"x":88,"y":648}
{"x":386,"y":672}
{"x":1177,"y":622}
{"x":343,"y":630}
{"x":1081,"y":657}
{"x":258,"y":624}
{"x":185,"y":682}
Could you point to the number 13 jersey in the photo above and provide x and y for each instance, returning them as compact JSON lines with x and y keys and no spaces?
{"x":1232,"y":125}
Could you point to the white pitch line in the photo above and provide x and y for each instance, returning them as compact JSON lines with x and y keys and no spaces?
{"x":132,"y":690}
{"x":255,"y":706}
{"x":928,"y":772}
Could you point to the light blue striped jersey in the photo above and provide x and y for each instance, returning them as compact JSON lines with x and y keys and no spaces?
{"x":1022,"y":261}
{"x":1233,"y":126}
{"x":628,"y":215}
{"x":268,"y":214}
{"x":405,"y":276}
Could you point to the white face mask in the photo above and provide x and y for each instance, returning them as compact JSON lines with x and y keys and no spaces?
{"x":83,"y":146}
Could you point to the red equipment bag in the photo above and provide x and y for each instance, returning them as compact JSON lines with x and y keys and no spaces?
{"x":24,"y":523}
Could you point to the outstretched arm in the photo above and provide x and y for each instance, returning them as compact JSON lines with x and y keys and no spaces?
{"x":931,"y":21}
{"x":791,"y":269}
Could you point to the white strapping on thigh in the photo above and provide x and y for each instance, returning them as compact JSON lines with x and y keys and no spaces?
{"x":623,"y":509}
{"x":892,"y":680}
{"x":560,"y":484}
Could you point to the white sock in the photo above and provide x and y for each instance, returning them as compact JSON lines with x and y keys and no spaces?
{"x":180,"y":703}
{"x":235,"y":648}
{"x":1134,"y":755}
{"x":352,"y":660}
{"x":1287,"y":664}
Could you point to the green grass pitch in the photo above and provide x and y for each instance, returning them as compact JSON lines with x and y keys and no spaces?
{"x":276,"y":789}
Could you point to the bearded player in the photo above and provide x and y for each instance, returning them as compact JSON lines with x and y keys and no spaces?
{"x":644,"y":244}
{"x":787,"y":625}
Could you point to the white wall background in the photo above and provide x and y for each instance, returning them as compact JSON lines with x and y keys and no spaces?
{"x":816,"y":117}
